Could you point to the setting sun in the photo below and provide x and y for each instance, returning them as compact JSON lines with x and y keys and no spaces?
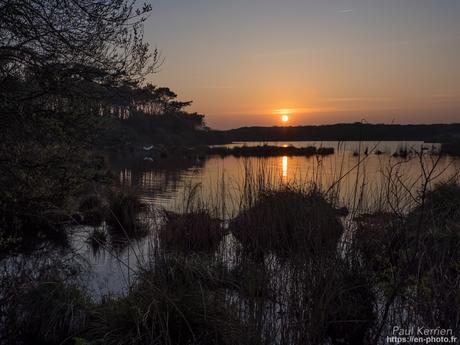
{"x":285,"y":118}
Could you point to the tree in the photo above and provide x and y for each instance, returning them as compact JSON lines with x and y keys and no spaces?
{"x":57,"y":59}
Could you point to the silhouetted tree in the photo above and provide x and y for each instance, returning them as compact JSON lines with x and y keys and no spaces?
{"x":58,"y":59}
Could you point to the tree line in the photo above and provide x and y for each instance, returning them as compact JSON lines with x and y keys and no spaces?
{"x":72,"y":78}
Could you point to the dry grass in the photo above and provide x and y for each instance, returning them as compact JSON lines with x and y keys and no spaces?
{"x":286,"y":220}
{"x":195,"y":231}
{"x":125,"y":208}
{"x":395,"y":264}
{"x":92,"y":210}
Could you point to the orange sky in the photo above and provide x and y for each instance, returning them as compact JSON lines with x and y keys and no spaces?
{"x":325,"y":62}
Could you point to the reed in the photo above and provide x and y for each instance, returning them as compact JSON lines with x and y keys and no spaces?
{"x":317,"y":277}
{"x":125,"y":208}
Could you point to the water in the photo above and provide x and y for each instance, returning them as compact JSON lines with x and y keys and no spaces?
{"x":359,"y":181}
{"x":166,"y":184}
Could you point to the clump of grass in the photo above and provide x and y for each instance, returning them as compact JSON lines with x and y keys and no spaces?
{"x":378,"y":239}
{"x":414,"y":258}
{"x":123,"y":215}
{"x":251,"y":279}
{"x":48,"y":312}
{"x":194,"y":231}
{"x":439,"y":207}
{"x":438,"y":283}
{"x":434,"y":228}
{"x":173,"y":302}
{"x":288,"y":219}
{"x":92,"y":210}
{"x":176,"y":300}
{"x":350,"y":314}
{"x":97,"y":238}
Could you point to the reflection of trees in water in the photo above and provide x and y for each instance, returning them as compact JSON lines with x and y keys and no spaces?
{"x":161,"y":177}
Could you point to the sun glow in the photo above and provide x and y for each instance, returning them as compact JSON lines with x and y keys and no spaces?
{"x":284,"y":113}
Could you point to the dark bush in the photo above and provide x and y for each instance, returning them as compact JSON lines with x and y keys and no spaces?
{"x":193,"y":231}
{"x":288,"y":220}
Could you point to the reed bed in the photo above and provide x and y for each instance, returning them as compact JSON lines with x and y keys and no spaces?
{"x":284,"y":267}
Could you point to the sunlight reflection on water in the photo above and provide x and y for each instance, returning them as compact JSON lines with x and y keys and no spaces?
{"x":164,"y":183}
{"x":284,"y":164}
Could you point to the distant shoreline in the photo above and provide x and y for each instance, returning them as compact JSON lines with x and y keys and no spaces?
{"x":434,"y":133}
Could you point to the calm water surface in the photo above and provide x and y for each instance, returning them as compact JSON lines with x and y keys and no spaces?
{"x":166,"y":183}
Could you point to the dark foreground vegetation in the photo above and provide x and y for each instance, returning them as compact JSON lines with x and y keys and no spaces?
{"x":71,"y":90}
{"x":290,"y":278}
{"x":287,"y":268}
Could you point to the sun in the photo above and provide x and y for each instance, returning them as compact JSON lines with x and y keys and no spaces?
{"x":285,"y":118}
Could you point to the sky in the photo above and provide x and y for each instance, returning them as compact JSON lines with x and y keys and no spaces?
{"x":251,"y":62}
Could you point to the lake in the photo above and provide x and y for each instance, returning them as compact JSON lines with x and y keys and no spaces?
{"x":363,"y":177}
{"x":167,"y":183}
{"x":164,"y":182}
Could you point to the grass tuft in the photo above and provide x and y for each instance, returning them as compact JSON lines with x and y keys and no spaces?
{"x":286,"y":220}
{"x":124,"y":210}
{"x":194,"y":231}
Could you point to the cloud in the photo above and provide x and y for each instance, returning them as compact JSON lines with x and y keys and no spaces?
{"x":346,"y":10}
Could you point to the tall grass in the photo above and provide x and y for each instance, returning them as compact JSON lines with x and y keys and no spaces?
{"x":286,"y":220}
{"x":317,"y":277}
{"x":125,"y":208}
{"x":193,"y":231}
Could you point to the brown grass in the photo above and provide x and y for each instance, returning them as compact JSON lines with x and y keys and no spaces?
{"x":193,"y":231}
{"x":286,"y":220}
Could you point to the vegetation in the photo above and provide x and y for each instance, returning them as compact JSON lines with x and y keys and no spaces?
{"x":92,"y":210}
{"x":97,"y":238}
{"x":123,"y":215}
{"x":71,"y":84}
{"x":304,"y":286}
{"x":164,"y":306}
{"x":268,"y":151}
{"x":287,"y":267}
{"x":288,"y":220}
{"x":193,"y":231}
{"x":346,"y":131}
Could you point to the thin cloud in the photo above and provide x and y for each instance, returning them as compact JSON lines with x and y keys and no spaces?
{"x":346,"y":10}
